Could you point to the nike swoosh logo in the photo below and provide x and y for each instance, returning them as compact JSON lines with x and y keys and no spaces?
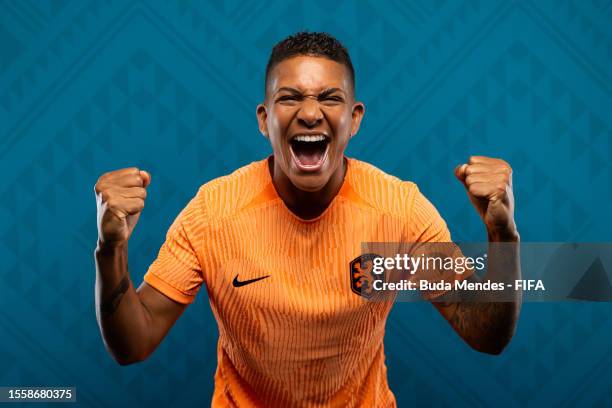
{"x":236,"y":283}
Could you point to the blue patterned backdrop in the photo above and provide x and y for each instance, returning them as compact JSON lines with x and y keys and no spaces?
{"x":171,"y":87}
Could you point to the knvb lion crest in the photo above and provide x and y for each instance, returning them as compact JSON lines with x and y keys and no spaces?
{"x":362,"y":275}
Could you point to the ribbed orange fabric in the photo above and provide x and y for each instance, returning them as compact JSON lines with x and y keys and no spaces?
{"x":301,"y":336}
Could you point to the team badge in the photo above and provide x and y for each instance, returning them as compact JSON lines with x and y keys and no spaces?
{"x":362,"y":276}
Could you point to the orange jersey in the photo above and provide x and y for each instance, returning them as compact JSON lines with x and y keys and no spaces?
{"x":292,"y":332}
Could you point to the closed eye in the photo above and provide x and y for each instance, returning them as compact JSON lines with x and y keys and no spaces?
{"x":333,"y":98}
{"x":323,"y":98}
{"x":289,"y":98}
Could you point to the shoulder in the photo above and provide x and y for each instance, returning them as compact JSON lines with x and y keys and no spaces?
{"x":227,"y":195}
{"x":402,"y":199}
{"x":381,"y":191}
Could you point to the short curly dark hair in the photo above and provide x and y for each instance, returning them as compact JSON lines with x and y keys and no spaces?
{"x":313,"y":44}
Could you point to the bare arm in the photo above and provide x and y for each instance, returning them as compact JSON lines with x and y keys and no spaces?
{"x":487,"y":325}
{"x":132,"y":322}
{"x":483,"y":322}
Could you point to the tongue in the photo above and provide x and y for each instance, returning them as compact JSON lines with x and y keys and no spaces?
{"x":308,"y":154}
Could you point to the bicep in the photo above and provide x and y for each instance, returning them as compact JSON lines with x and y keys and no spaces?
{"x":161,"y":311}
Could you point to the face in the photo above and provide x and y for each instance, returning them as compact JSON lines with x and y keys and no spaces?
{"x":309,"y":116}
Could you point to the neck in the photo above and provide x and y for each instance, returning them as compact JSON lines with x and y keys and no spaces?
{"x":306,"y":204}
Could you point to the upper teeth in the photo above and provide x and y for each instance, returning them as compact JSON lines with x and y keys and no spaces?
{"x":308,"y":138}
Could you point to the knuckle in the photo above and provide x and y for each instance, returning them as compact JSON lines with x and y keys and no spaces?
{"x":110,"y":173}
{"x":127,"y":180}
{"x":501,"y":163}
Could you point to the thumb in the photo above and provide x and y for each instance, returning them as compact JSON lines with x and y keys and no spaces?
{"x":146,"y":178}
{"x":460,"y":173}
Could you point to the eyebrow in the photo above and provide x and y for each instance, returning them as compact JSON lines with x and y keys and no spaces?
{"x":323,"y":93}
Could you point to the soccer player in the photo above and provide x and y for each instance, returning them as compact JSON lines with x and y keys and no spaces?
{"x":276,"y":244}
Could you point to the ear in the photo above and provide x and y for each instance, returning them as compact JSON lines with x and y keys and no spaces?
{"x":262,"y":116}
{"x":357,"y":115}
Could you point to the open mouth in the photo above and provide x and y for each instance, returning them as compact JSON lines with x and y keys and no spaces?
{"x":309,"y":151}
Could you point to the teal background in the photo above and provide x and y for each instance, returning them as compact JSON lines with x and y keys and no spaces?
{"x":171,"y":87}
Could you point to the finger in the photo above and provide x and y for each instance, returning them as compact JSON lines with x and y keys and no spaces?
{"x":116,"y":174}
{"x":125,"y":192}
{"x":460,"y":172}
{"x":127,"y":180}
{"x":122,"y":207}
{"x":489,"y":191}
{"x":146,"y":178}
{"x":109,"y":179}
{"x":493,"y":178}
{"x":480,"y":159}
{"x":133,"y":205}
{"x":477,"y":168}
{"x":480,"y":168}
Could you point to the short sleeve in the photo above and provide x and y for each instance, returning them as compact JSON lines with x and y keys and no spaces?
{"x":425,"y":224}
{"x":177,"y":271}
{"x":427,"y":233}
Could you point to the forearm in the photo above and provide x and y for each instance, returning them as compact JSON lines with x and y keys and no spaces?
{"x":123,"y":319}
{"x":487,"y":321}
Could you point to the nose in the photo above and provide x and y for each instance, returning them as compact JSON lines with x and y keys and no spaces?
{"x":310,"y":114}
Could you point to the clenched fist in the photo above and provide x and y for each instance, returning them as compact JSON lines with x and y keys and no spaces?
{"x":120,"y":196}
{"x":488,"y":183}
